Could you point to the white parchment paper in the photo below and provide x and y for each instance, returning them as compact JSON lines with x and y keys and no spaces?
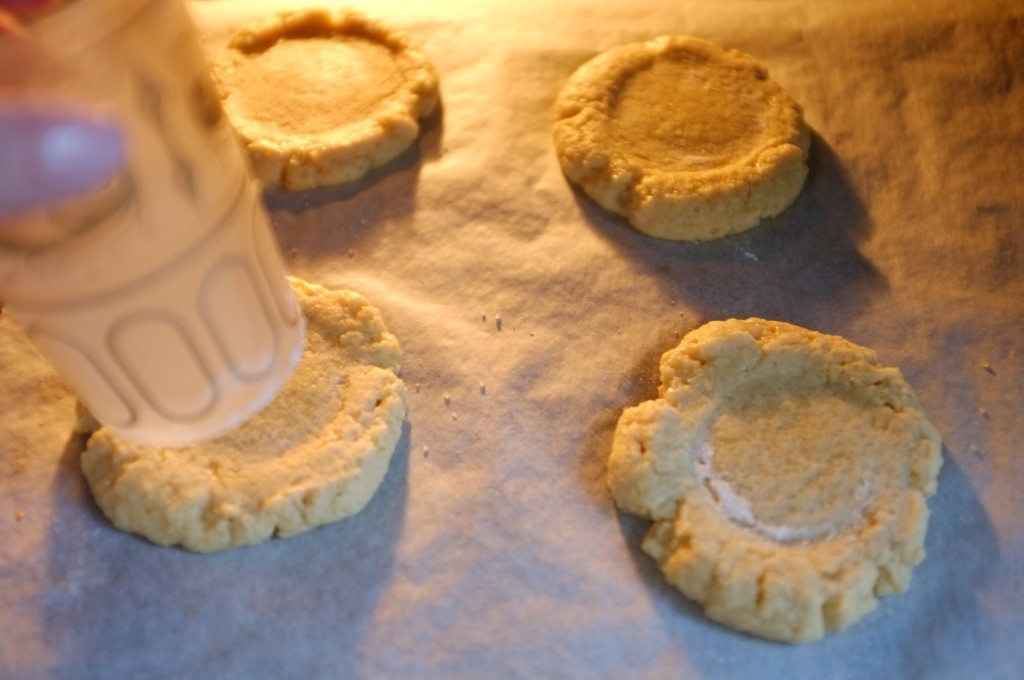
{"x":493,"y":549}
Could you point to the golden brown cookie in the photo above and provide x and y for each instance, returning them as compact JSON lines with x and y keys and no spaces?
{"x":316,"y":455}
{"x":685,"y":139}
{"x":786,"y":473}
{"x":320,"y":98}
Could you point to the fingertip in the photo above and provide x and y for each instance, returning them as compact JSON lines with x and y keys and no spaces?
{"x":47,"y":157}
{"x":80,"y":154}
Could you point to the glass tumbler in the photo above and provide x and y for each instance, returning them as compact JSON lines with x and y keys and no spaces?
{"x":160,"y":297}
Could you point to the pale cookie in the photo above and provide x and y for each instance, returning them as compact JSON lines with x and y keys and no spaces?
{"x":316,"y":455}
{"x":687,"y":140}
{"x":786,"y":473}
{"x":320,"y":98}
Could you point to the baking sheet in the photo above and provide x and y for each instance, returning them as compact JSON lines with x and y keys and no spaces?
{"x":492,"y":548}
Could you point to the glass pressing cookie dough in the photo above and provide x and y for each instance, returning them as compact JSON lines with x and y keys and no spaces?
{"x":320,"y":98}
{"x":786,"y":473}
{"x":685,"y":139}
{"x":316,"y":455}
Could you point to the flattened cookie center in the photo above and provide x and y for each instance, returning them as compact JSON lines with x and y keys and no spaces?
{"x":792,"y":467}
{"x":323,"y":83}
{"x":684,"y":115}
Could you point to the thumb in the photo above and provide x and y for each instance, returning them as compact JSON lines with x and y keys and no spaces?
{"x":48,"y":156}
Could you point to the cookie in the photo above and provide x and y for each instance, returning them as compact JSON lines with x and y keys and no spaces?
{"x":320,"y":98}
{"x":685,"y":139}
{"x":316,"y":455}
{"x":786,"y":473}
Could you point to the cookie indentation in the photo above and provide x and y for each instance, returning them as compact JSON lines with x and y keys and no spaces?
{"x":673,"y":105}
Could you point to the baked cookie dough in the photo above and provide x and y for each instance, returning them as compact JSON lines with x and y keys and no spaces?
{"x":786,"y":473}
{"x":685,"y":139}
{"x":320,"y":98}
{"x":316,"y":455}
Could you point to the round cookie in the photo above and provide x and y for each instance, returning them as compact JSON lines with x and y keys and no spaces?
{"x":315,"y":455}
{"x":320,"y":98}
{"x":687,"y":140}
{"x":786,"y":473}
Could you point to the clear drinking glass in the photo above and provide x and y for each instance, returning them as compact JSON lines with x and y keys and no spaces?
{"x":161,"y":297}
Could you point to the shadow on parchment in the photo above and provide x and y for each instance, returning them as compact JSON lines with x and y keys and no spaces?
{"x":803,"y":266}
{"x":638,"y":385}
{"x":121,"y":607}
{"x":324,"y":222}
